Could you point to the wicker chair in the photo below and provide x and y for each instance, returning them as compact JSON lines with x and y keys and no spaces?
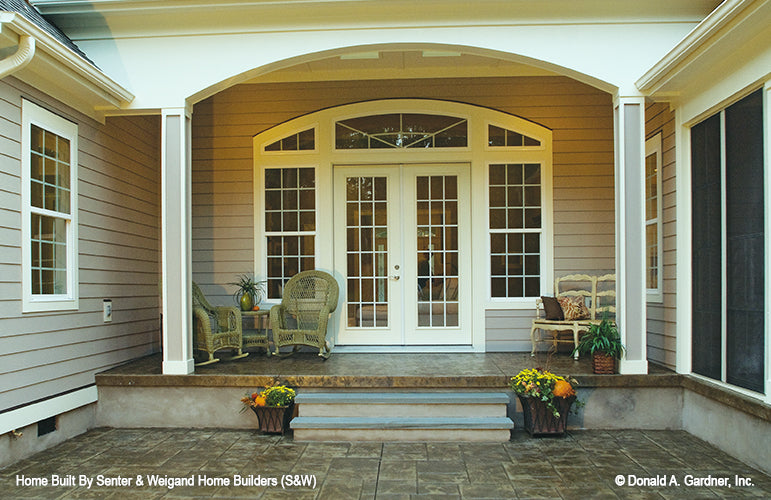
{"x":301,"y":318}
{"x":215,"y":328}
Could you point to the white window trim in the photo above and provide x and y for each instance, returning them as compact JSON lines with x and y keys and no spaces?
{"x":33,"y":114}
{"x":654,"y":146}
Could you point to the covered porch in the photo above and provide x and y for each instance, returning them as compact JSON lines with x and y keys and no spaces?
{"x":236,"y":142}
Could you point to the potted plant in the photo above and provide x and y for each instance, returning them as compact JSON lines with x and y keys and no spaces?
{"x":273,"y":406}
{"x":603,"y":342}
{"x":546,"y":399}
{"x":249,"y":292}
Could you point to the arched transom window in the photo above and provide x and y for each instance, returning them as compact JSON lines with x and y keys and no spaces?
{"x":401,"y":130}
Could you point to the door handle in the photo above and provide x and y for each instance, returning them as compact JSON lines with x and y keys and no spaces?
{"x":394,"y":277}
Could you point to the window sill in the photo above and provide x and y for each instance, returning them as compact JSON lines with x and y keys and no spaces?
{"x":49,"y":305}
{"x":654,"y":298}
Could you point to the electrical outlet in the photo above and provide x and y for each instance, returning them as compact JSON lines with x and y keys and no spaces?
{"x":107,"y":310}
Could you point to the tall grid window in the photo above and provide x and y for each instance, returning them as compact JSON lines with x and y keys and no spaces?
{"x":653,"y":217}
{"x":49,"y":227}
{"x":290,"y":224}
{"x":515,"y":230}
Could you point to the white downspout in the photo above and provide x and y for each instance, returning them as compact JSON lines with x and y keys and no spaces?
{"x":21,"y":58}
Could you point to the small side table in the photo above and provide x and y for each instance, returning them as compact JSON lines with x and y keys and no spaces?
{"x":255,"y":328}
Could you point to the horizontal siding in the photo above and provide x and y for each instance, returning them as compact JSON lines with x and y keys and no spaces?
{"x":119,"y":250}
{"x":223,"y":126}
{"x":508,"y":330}
{"x":661,"y":318}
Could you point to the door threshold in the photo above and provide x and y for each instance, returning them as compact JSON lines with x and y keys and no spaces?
{"x":406,"y":349}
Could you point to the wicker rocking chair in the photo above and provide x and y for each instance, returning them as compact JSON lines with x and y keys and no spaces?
{"x":215,"y":328}
{"x":301,"y":318}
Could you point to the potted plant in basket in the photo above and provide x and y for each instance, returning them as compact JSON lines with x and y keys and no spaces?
{"x":546,"y":399}
{"x":603,"y":342}
{"x":249,"y":292}
{"x":273,"y":406}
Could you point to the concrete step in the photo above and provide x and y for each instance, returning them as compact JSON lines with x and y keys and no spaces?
{"x":401,"y":416}
{"x":402,"y":404}
{"x":401,"y":429}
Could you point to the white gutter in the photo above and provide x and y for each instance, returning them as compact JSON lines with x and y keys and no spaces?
{"x":21,"y":58}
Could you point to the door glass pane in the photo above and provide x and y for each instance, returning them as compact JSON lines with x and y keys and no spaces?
{"x":366,"y":251}
{"x":437,"y":250}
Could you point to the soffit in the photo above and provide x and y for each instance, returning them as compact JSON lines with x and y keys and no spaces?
{"x":96,"y":19}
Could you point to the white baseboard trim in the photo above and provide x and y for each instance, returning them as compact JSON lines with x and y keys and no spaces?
{"x":26,"y":415}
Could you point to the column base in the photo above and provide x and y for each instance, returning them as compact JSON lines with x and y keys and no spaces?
{"x":633,"y":367}
{"x":183,"y":367}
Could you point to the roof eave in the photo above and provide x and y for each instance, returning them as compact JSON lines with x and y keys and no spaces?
{"x":658,"y":81}
{"x":89,"y":90}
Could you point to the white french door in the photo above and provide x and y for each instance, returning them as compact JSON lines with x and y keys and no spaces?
{"x":402,"y":247}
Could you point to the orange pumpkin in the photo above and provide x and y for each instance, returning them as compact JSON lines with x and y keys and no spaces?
{"x":256,"y":308}
{"x":563,"y":389}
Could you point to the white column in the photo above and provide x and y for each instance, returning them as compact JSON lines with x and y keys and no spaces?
{"x":176,"y":257}
{"x":684,"y":297}
{"x":629,"y":141}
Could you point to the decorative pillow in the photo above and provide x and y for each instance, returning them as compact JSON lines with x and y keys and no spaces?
{"x":552,"y":308}
{"x":573,"y":308}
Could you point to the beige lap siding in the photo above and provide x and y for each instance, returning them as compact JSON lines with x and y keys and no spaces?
{"x":45,"y":354}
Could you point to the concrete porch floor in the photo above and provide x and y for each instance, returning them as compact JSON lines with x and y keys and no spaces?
{"x":372,"y":370}
{"x":581,"y":465}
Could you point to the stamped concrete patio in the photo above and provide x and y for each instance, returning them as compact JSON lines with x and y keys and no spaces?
{"x":581,"y":465}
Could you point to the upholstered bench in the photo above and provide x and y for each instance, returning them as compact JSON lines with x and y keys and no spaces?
{"x":599,"y":295}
